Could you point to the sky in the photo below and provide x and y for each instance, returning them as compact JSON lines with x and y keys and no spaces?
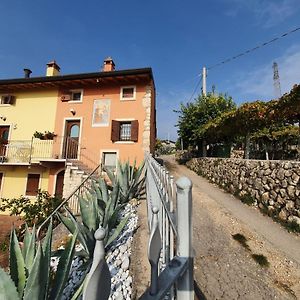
{"x":175,"y":38}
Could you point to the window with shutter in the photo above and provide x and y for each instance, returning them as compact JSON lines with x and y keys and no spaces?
{"x":125,"y":131}
{"x":33,"y":181}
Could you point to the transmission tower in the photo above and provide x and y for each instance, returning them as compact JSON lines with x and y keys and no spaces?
{"x":277,"y":88}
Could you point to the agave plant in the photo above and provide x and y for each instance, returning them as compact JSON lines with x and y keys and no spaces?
{"x":98,"y":207}
{"x":130,"y":179}
{"x":30,"y":276}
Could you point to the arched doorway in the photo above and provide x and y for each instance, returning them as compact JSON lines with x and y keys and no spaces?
{"x":59,"y":185}
{"x":72,"y":132}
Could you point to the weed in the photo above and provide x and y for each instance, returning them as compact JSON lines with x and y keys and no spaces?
{"x":261,"y":260}
{"x":241,"y":239}
{"x":292,"y":226}
{"x":3,"y":246}
{"x":247,"y":199}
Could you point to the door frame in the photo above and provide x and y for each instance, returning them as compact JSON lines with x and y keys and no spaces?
{"x":55,"y":179}
{"x":80,"y":119}
{"x":9,"y":133}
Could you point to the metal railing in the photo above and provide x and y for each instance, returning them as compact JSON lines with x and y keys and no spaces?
{"x":170,"y":250}
{"x":36,"y":150}
{"x":72,"y":201}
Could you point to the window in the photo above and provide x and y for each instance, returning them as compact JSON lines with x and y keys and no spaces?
{"x":7,"y":99}
{"x":124,"y":131}
{"x":33,"y":181}
{"x":76,"y":95}
{"x":109,"y":160}
{"x":128,"y":92}
{"x":71,"y":95}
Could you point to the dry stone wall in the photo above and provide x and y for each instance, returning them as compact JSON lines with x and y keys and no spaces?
{"x":273,"y":186}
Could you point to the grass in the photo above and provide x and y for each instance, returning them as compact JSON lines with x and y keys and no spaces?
{"x":261,"y":260}
{"x":241,"y":239}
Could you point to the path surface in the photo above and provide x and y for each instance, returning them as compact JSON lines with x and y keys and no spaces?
{"x":223,"y":268}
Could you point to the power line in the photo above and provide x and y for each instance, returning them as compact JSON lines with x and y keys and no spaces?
{"x":196,"y":87}
{"x":253,"y":49}
{"x":242,"y":54}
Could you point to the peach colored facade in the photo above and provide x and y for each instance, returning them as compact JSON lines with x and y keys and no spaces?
{"x":98,"y":139}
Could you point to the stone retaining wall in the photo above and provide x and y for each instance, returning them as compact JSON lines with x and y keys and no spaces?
{"x":273,"y":186}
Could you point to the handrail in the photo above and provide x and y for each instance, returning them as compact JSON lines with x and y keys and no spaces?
{"x":66,"y":200}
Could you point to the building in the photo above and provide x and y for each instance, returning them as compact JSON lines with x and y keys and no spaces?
{"x":54,"y":126}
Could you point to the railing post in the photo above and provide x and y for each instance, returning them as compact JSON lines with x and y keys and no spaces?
{"x":98,"y":280}
{"x":30,"y":155}
{"x":154,"y":251}
{"x":185,"y":284}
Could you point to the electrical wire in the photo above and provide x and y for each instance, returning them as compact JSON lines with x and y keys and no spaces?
{"x":242,"y":54}
{"x":253,"y":49}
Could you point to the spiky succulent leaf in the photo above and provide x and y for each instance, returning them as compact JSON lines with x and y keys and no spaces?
{"x":117,"y":231}
{"x":110,"y":175}
{"x":112,"y":222}
{"x":16,"y":263}
{"x":46,"y":247}
{"x":89,"y":214}
{"x":63,"y":269}
{"x":26,"y":241}
{"x":104,"y":190}
{"x":72,"y":225}
{"x":30,"y":251}
{"x":36,"y":282}
{"x":8,"y":290}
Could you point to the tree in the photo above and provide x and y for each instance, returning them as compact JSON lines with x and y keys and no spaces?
{"x":193,"y":116}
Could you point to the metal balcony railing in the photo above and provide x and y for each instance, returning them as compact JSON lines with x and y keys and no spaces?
{"x":36,"y":150}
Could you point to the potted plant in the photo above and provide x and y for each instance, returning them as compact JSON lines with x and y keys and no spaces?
{"x":47,"y":135}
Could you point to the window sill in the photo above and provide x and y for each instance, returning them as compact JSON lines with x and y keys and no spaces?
{"x":124,"y":142}
{"x":5,"y":105}
{"x":127,"y":99}
{"x":74,"y":101}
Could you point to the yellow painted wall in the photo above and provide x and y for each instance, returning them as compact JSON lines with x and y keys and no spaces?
{"x":14,"y":180}
{"x":32,"y":111}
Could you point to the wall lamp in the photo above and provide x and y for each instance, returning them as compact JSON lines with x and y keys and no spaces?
{"x":3,"y":118}
{"x":72,"y":111}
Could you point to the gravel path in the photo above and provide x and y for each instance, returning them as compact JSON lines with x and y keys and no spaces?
{"x":224,"y":269}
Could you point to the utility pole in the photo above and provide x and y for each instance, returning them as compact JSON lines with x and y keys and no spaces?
{"x":204,"y":81}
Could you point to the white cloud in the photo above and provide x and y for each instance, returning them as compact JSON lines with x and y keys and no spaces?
{"x":259,"y":83}
{"x":267,"y":12}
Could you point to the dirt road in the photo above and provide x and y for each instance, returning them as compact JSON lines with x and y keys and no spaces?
{"x":224,"y":268}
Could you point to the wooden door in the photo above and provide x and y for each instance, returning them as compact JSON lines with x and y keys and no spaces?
{"x":4,"y":132}
{"x":72,"y":131}
{"x":59,"y":186}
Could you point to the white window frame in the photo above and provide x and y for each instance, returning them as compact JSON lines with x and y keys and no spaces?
{"x":128,"y":87}
{"x":4,"y":104}
{"x":76,"y":91}
{"x":109,"y":151}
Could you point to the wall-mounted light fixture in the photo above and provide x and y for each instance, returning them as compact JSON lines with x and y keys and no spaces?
{"x":72,"y":111}
{"x":3,"y":118}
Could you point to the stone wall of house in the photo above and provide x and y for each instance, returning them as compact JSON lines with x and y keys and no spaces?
{"x":273,"y":186}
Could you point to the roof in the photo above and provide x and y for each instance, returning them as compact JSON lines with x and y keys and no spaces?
{"x":81,"y":78}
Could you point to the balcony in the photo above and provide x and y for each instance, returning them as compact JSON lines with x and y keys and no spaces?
{"x":34,"y":151}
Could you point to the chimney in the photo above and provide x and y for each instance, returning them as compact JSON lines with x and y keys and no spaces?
{"x":108,"y":64}
{"x":52,"y":68}
{"x":27,"y":73}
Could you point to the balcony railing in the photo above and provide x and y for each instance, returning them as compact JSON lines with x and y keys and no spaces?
{"x":36,"y":150}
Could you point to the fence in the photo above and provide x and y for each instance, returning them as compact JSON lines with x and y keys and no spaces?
{"x":170,"y":250}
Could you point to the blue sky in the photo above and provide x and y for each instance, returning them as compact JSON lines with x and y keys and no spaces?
{"x":176,"y":38}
